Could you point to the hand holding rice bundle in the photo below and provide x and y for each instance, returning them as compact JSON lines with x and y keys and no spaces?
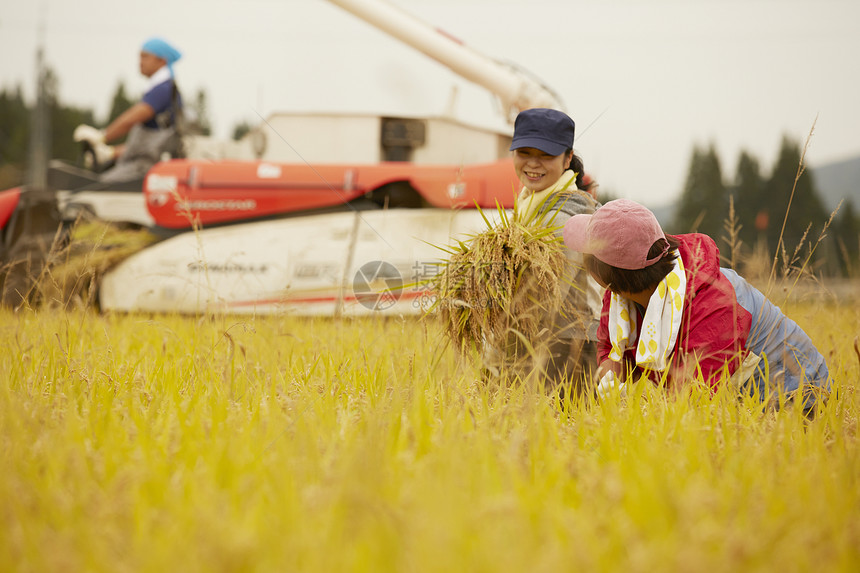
{"x":498,"y":287}
{"x":514,"y":291}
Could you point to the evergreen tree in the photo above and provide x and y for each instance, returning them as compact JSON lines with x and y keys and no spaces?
{"x":14,"y":127}
{"x":704,"y":203}
{"x":806,"y":210}
{"x":749,"y":198}
{"x":14,"y":137}
{"x":846,"y":231}
{"x":64,"y":120}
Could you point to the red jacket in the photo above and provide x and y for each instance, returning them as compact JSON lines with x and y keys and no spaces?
{"x":714,"y":326}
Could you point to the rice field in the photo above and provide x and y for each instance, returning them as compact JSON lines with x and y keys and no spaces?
{"x":169,"y":443}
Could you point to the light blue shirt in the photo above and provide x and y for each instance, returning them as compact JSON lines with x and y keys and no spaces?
{"x":788,"y":356}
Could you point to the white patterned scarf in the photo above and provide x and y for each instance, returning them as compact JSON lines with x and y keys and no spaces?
{"x":660,"y":325}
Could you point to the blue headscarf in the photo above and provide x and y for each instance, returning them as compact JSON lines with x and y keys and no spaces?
{"x":159,"y":48}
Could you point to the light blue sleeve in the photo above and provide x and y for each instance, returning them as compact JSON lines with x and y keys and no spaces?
{"x":788,"y":354}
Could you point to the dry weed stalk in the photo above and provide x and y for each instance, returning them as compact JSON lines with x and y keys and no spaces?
{"x":779,"y":250}
{"x":789,"y":263}
{"x":801,"y":167}
{"x":791,"y":270}
{"x":733,"y":229}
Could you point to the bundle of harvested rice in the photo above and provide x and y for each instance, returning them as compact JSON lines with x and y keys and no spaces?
{"x":75,"y":268}
{"x":499,"y":287}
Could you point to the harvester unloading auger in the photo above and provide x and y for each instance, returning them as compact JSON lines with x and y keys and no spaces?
{"x":259,"y":236}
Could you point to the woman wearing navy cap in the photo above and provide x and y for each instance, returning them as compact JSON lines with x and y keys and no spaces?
{"x":150,"y":124}
{"x":553,"y":191}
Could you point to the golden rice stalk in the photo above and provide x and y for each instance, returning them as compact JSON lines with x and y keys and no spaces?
{"x":92,"y":249}
{"x":500,"y":286}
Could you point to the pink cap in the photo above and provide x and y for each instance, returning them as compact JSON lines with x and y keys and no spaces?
{"x":620,"y":233}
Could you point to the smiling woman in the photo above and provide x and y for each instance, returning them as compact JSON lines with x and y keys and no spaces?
{"x":552,"y":178}
{"x":537,"y":169}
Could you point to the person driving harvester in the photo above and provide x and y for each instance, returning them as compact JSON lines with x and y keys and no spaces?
{"x":151,"y":124}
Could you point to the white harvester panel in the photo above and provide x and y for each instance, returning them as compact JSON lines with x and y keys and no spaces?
{"x":351,"y":263}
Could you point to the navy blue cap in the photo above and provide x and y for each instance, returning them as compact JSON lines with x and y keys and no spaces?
{"x":549,"y":130}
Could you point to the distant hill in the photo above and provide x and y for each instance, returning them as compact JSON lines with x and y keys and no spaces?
{"x":664,"y":213}
{"x":834,"y":181}
{"x":837,"y":181}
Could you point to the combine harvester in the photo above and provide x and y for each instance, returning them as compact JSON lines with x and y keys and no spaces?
{"x":256,"y":235}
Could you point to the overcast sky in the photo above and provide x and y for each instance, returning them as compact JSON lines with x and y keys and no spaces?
{"x":645,"y":80}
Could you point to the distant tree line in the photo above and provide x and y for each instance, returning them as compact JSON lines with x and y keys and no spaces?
{"x":780,"y":213}
{"x":15,"y":125}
